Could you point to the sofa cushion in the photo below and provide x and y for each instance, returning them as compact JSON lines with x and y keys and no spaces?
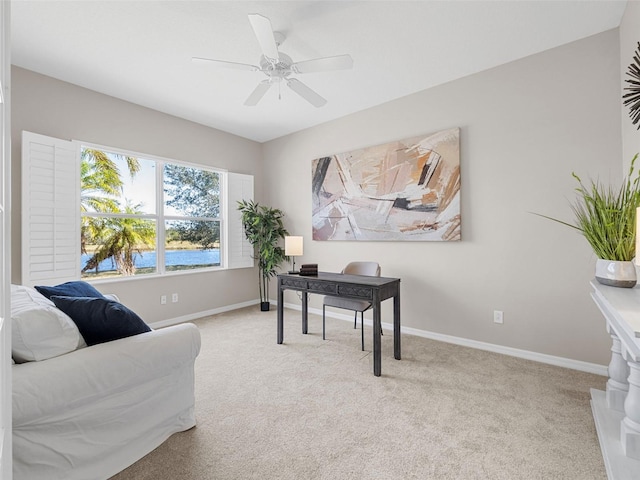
{"x":70,"y":289}
{"x":99,"y":319}
{"x":39,"y":330}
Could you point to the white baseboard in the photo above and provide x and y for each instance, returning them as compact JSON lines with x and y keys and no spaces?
{"x":195,"y":316}
{"x":465,"y":342}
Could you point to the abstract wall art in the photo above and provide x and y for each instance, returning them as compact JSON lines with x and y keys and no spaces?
{"x":408,"y":190}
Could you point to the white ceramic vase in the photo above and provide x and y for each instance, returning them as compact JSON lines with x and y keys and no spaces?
{"x":616,"y":273}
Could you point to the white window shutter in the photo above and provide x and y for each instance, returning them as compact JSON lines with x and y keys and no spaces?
{"x":239,"y":250}
{"x":50,"y":210}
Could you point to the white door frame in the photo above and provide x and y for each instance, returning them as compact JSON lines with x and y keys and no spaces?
{"x":5,"y":244}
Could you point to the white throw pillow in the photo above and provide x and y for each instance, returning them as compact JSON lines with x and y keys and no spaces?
{"x":38,"y":333}
{"x":26,"y":297}
{"x":39,"y":329}
{"x":112,"y":296}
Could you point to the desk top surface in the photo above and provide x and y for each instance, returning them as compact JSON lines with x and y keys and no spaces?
{"x":345,"y":278}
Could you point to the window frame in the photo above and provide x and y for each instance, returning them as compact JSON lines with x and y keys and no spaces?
{"x":159,"y":217}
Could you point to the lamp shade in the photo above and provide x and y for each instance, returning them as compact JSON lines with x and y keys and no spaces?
{"x":292,"y":246}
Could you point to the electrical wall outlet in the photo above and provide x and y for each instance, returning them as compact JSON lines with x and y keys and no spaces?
{"x":498,"y":316}
{"x":174,"y":298}
{"x":163,"y":300}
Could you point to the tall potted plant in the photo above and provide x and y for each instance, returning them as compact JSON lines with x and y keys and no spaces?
{"x":607,"y":219}
{"x":264,"y":229}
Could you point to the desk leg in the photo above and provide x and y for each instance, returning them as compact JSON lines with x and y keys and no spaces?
{"x":396,"y":326}
{"x":305,"y":313}
{"x":280,"y":312}
{"x":377,"y":341}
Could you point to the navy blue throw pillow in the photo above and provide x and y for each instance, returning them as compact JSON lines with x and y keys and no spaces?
{"x":99,"y":319}
{"x":70,"y":289}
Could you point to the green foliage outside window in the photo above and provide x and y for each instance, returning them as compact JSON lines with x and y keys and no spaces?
{"x":195,"y":193}
{"x":116,"y":238}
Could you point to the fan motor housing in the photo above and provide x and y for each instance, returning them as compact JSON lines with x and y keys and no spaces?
{"x":276,"y":69}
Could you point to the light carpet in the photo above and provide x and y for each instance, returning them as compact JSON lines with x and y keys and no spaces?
{"x":312,"y":409}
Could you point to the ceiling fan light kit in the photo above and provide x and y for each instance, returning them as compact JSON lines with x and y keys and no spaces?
{"x":278,"y":66}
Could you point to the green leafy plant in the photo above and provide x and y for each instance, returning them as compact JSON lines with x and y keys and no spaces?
{"x":607,"y":217}
{"x":264,"y":229}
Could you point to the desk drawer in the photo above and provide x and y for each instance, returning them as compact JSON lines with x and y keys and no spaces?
{"x":295,"y":282}
{"x":355,"y":291}
{"x":322,"y":287}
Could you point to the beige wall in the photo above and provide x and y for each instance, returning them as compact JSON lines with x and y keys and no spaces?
{"x":629,"y":38}
{"x":525,"y":127}
{"x":50,"y":107}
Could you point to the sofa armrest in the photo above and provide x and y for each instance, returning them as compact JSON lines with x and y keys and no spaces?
{"x":84,"y":375}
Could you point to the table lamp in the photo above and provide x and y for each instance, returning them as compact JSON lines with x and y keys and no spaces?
{"x":293,"y":249}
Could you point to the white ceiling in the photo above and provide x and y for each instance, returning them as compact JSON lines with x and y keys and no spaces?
{"x":140,"y":51}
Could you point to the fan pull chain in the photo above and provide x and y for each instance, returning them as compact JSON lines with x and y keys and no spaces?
{"x":279,"y":90}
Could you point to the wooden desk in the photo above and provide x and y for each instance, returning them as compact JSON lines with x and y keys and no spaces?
{"x":374,"y":289}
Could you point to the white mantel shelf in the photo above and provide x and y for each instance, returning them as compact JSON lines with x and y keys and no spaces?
{"x":616,"y":412}
{"x":626,"y":304}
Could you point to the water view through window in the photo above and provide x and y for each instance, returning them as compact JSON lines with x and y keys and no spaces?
{"x":146,"y":261}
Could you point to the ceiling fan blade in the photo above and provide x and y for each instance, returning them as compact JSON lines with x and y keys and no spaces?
{"x":305,"y":92}
{"x":223,"y":63}
{"x":339,"y":62}
{"x":264,"y":33}
{"x":262,"y":88}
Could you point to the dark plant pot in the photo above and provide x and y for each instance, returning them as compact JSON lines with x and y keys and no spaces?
{"x":264,"y":306}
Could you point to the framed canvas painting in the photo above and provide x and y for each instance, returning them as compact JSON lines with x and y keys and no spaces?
{"x":408,"y":190}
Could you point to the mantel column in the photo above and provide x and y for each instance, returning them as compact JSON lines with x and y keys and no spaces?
{"x":630,"y":425}
{"x":617,"y":385}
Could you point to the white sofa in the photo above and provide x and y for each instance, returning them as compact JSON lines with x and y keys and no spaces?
{"x":92,"y":412}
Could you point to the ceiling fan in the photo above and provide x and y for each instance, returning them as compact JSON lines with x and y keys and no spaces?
{"x":279,"y":67}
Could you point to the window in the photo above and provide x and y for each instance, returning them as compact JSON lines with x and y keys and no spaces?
{"x":192,"y":217}
{"x":131,"y":214}
{"x":143,"y":216}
